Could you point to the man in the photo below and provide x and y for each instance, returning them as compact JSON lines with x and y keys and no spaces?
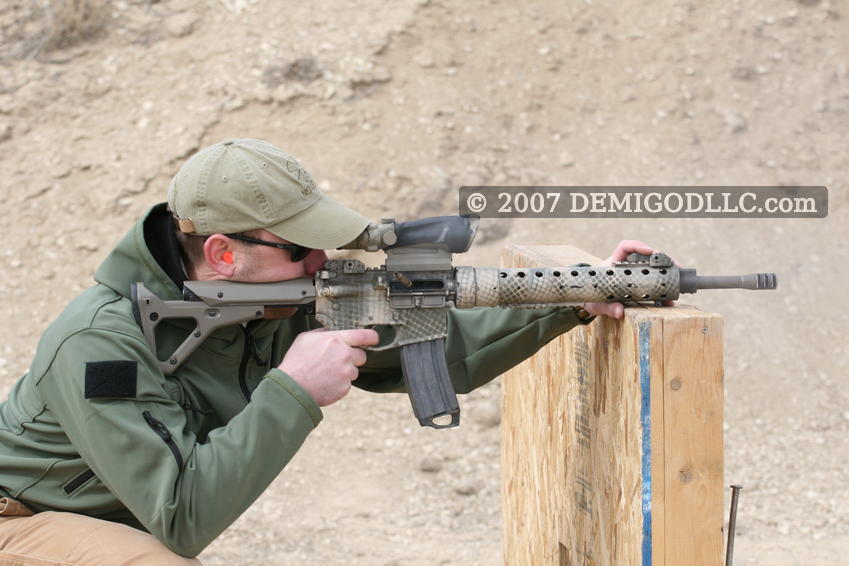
{"x":105,"y":460}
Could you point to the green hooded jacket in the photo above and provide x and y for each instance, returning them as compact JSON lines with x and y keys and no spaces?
{"x":94,"y":427}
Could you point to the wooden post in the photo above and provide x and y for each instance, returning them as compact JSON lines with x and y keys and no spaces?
{"x":612,"y":448}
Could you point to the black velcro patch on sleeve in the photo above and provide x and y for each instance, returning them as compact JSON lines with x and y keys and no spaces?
{"x":111,"y":380}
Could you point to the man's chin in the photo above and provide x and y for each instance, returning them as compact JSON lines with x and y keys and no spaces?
{"x":276,"y":313}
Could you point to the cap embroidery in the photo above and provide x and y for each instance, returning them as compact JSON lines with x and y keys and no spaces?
{"x":304,"y":178}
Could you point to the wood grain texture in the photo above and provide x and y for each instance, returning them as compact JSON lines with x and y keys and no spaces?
{"x":606,"y":461}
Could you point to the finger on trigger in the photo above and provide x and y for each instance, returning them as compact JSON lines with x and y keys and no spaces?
{"x":359,"y":337}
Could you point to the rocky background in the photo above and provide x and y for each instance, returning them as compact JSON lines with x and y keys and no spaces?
{"x":393,"y":106}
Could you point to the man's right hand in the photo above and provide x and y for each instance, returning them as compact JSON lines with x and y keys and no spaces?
{"x":325,"y":362}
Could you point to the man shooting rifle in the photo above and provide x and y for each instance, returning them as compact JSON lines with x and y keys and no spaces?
{"x":106,"y":457}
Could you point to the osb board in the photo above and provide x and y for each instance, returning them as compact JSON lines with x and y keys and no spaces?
{"x":612,"y":439}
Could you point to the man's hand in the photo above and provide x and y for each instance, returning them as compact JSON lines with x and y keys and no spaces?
{"x":325,"y":362}
{"x":625,"y":247}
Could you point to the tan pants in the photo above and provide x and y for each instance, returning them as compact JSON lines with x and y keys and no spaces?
{"x":67,"y":539}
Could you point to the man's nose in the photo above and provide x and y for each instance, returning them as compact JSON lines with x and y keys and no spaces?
{"x":314,"y":261}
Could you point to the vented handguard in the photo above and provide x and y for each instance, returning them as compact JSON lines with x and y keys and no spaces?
{"x":649,"y":278}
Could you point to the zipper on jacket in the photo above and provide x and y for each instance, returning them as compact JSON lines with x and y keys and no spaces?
{"x":165,"y":435}
{"x":78,"y":481}
{"x":248,"y":352}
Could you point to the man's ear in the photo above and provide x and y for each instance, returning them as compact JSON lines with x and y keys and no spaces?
{"x":219,"y":251}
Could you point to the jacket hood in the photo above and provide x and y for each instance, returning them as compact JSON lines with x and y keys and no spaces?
{"x":132,"y":260}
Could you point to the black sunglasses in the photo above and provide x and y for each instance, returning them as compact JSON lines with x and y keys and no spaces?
{"x":296,"y":252}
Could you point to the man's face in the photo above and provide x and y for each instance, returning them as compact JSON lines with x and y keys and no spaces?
{"x":266,"y":264}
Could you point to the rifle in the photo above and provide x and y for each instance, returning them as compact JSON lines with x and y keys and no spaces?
{"x":406,"y":300}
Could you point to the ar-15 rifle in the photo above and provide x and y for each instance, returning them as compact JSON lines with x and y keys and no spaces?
{"x":407,"y":299}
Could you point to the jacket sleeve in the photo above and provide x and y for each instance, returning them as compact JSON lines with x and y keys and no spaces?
{"x":134,"y":437}
{"x":482,"y":344}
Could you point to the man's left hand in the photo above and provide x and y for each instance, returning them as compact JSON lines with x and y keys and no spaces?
{"x":625,"y":247}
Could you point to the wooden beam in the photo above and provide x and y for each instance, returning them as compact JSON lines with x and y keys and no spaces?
{"x":612,"y":439}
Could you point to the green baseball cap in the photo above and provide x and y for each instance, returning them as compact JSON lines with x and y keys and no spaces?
{"x":245,"y":184}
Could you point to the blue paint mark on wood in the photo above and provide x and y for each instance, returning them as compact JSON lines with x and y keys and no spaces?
{"x":645,"y":422}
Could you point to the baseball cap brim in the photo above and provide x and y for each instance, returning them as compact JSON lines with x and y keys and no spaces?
{"x":324,"y":225}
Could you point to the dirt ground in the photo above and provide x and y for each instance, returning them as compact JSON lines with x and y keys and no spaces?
{"x":393,"y":107}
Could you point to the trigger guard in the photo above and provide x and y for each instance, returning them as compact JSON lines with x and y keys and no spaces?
{"x":387,"y":335}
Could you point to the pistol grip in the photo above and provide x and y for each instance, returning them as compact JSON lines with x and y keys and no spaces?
{"x":428,"y":383}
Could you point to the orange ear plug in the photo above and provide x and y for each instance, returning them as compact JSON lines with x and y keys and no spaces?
{"x":227,"y":257}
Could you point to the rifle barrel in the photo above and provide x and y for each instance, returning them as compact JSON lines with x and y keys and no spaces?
{"x":690,"y":282}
